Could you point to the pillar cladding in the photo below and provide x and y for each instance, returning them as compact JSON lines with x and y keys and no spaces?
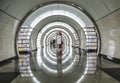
{"x":59,"y":53}
{"x":60,"y":45}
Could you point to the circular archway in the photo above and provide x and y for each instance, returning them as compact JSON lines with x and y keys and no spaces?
{"x":79,"y":35}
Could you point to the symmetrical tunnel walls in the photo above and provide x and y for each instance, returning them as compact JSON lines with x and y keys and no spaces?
{"x":59,"y":11}
{"x":100,"y":10}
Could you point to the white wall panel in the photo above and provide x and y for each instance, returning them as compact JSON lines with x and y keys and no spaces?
{"x":112,"y":4}
{"x":7,"y":33}
{"x":110,"y":34}
{"x":86,"y":7}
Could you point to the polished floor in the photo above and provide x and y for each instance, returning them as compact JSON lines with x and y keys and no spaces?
{"x":9,"y":74}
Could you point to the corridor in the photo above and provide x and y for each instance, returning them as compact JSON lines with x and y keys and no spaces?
{"x":59,"y":41}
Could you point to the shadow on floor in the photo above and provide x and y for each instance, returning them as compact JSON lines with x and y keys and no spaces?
{"x":114,"y":72}
{"x":7,"y":77}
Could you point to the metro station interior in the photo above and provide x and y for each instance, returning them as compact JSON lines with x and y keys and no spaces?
{"x":59,"y":41}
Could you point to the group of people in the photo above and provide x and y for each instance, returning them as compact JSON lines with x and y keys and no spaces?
{"x":53,"y":43}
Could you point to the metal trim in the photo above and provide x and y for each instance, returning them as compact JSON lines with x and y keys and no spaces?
{"x":60,"y":2}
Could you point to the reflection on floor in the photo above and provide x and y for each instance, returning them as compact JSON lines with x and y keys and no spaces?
{"x":41,"y":77}
{"x":9,"y":71}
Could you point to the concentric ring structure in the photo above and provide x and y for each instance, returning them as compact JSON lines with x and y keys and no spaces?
{"x":79,"y":36}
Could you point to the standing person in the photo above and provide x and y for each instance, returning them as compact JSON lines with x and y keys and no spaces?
{"x":54,"y":43}
{"x":51,"y":44}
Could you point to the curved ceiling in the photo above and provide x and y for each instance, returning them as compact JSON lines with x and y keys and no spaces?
{"x":97,"y":8}
{"x":58,"y":9}
{"x":56,"y":17}
{"x":13,"y":11}
{"x":17,"y":9}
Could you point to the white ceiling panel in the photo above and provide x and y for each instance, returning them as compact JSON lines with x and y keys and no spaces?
{"x":18,"y":8}
{"x":5,"y":3}
{"x":98,"y":7}
{"x":112,"y":4}
{"x":86,"y":7}
{"x":30,"y":4}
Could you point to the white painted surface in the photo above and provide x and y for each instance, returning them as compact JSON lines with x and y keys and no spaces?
{"x":96,"y":8}
{"x":7,"y":33}
{"x":110,"y":34}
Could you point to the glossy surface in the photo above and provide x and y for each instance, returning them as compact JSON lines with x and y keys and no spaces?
{"x":41,"y":77}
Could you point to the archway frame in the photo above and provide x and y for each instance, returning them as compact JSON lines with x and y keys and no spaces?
{"x":58,"y":2}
